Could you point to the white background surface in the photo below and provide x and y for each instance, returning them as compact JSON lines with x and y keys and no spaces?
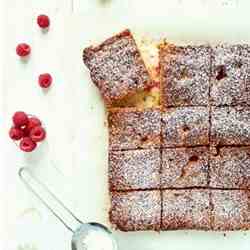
{"x":73,"y":160}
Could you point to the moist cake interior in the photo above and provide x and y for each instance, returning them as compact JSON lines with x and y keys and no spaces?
{"x":144,"y":99}
{"x":150,"y":97}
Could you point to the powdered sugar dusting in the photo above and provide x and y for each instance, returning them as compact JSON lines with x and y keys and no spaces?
{"x":131,"y":128}
{"x":231,"y":209}
{"x":233,"y":87}
{"x":186,"y":209}
{"x":140,"y":210}
{"x":186,"y":126}
{"x":230,"y":125}
{"x":161,"y":170}
{"x":229,"y":168}
{"x":135,"y":169}
{"x":116,"y":67}
{"x":185,"y":73}
{"x":184,"y":167}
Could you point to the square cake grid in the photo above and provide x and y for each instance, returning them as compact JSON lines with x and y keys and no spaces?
{"x":186,"y":166}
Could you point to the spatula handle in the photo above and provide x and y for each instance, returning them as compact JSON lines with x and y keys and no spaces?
{"x":48,"y":199}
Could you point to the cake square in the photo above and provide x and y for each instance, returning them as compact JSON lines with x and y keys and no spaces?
{"x":230,"y":81}
{"x":230,"y":168}
{"x":185,"y":126}
{"x":134,"y":169}
{"x":116,"y":67}
{"x":185,"y":73}
{"x":131,"y":128}
{"x":184,"y":167}
{"x":231,"y":210}
{"x":137,"y":210}
{"x":230,"y":126}
{"x":186,"y":209}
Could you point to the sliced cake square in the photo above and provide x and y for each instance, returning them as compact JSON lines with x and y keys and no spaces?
{"x":116,"y":67}
{"x":131,"y":128}
{"x":231,"y":210}
{"x":186,"y":209}
{"x":134,"y":169}
{"x":230,"y":81}
{"x":230,"y":167}
{"x":184,"y":167}
{"x":230,"y":126}
{"x":185,"y":126}
{"x":137,"y":210}
{"x":185,"y":73}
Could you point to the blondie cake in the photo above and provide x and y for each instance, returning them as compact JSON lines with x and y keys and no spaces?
{"x":179,"y":133}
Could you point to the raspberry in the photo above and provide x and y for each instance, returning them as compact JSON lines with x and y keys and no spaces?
{"x":221,"y":72}
{"x":45,"y":80}
{"x":154,"y":84}
{"x":15,"y":133}
{"x":26,"y":131}
{"x":23,"y":49}
{"x":33,"y":122}
{"x":27,"y":145}
{"x":43,"y":21}
{"x":37,"y":134}
{"x":20,"y":119}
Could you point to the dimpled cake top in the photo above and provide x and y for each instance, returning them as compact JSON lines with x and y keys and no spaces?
{"x":229,"y":168}
{"x":116,"y":67}
{"x":186,"y":209}
{"x":231,"y":209}
{"x":185,"y":75}
{"x":133,"y":211}
{"x":131,"y":128}
{"x":230,"y":81}
{"x":230,"y":126}
{"x":134,"y":169}
{"x":184,"y":167}
{"x":185,"y":126}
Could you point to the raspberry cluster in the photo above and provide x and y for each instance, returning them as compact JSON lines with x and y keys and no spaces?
{"x":27,"y":129}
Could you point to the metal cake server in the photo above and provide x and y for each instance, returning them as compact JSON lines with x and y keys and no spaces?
{"x":86,"y":236}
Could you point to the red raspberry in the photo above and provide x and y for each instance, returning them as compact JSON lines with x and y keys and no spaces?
{"x":15,"y":133}
{"x":27,"y":145}
{"x":45,"y":80}
{"x":43,"y":21}
{"x":154,"y":84}
{"x":23,"y":49}
{"x":37,"y":134}
{"x":26,"y":131}
{"x":33,"y":122}
{"x":20,"y":119}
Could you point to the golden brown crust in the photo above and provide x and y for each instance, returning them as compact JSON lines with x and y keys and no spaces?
{"x":109,"y":41}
